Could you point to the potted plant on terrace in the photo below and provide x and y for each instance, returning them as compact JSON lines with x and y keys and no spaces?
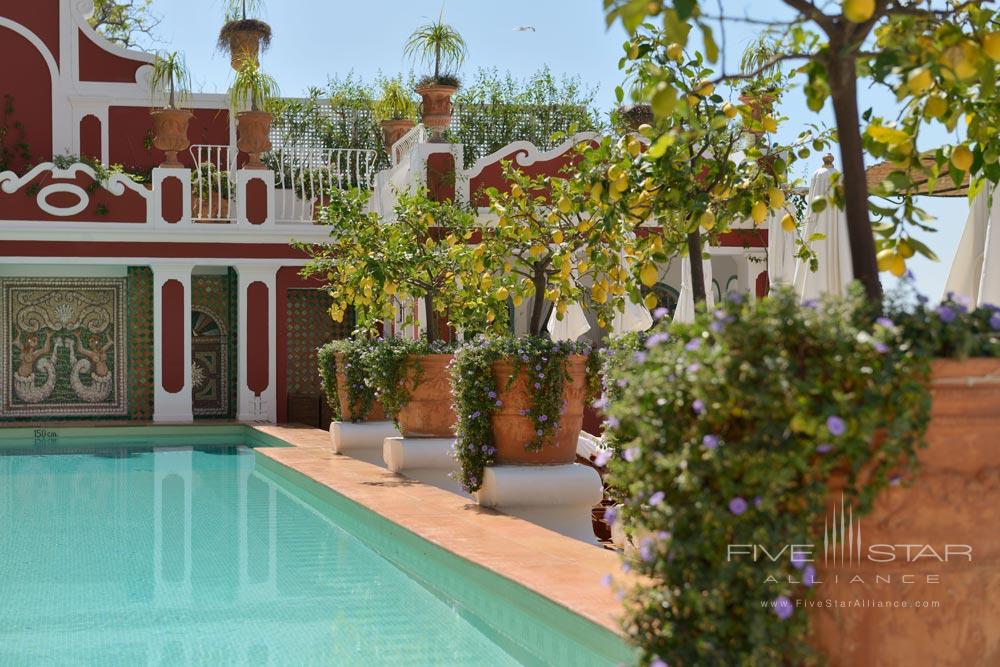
{"x":395,"y":110}
{"x":242,"y":37}
{"x":439,"y":44}
{"x":253,"y":89}
{"x":170,"y":78}
{"x":422,"y":261}
{"x":521,"y":400}
{"x":345,"y":378}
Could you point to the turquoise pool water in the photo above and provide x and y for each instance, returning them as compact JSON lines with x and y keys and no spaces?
{"x":181,"y":556}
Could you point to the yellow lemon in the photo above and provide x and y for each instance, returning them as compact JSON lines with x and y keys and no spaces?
{"x":898,"y":266}
{"x":919,"y":81}
{"x":770,"y":124}
{"x":729,"y":109}
{"x":776,"y":198}
{"x":705,"y":88}
{"x":961,"y":157}
{"x":905,"y":249}
{"x":936,"y":107}
{"x":648,"y":274}
{"x":759,"y":212}
{"x":565,"y":204}
{"x":633,"y":51}
{"x":390,"y":288}
{"x":518,"y":300}
{"x":557,"y":236}
{"x":788,"y":223}
{"x":885,"y":259}
{"x":675,"y":52}
{"x":502,"y":293}
{"x":634,"y":147}
{"x":516,"y":190}
{"x":859,"y":11}
{"x":596,"y":192}
{"x":707,"y":220}
{"x":991,"y":45}
{"x":598,"y":294}
{"x":650,"y":301}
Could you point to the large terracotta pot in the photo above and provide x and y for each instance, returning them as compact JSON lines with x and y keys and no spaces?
{"x":954,"y":500}
{"x":436,"y":108}
{"x":377,"y":412}
{"x":253,"y":129}
{"x":170,"y":128}
{"x":429,"y":412}
{"x":393,"y":130}
{"x":511,"y":431}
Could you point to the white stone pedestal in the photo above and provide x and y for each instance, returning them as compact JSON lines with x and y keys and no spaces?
{"x":559,"y":498}
{"x":363,"y":440}
{"x":428,"y":460}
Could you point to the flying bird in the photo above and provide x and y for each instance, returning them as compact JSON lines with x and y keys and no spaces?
{"x":525,"y":28}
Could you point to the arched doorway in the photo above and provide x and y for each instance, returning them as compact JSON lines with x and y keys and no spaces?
{"x":25,"y":103}
{"x":210,"y":372}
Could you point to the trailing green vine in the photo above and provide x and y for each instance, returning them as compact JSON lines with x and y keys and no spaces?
{"x":360,"y":394}
{"x":12,"y":146}
{"x":392,"y":372}
{"x":476,"y":393}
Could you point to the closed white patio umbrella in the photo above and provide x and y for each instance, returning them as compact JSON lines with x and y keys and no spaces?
{"x":833,"y":252}
{"x":685,"y":299}
{"x":975,"y":271}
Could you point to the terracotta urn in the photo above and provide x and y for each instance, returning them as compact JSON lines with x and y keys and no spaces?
{"x":244,"y":46}
{"x":393,"y":130}
{"x":436,"y":108}
{"x":170,"y":127}
{"x":253,"y":129}
{"x":511,"y":431}
{"x":429,"y":412}
{"x":377,"y":413}
{"x":951,"y":512}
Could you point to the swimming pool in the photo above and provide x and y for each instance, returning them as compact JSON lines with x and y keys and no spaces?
{"x":216,"y":556}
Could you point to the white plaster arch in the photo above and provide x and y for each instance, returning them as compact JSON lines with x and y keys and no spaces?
{"x":37,"y":42}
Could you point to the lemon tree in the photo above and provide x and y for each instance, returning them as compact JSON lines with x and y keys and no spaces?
{"x":428,"y":254}
{"x":939,"y":58}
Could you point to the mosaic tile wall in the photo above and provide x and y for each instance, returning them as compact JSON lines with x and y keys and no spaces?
{"x":63,"y":348}
{"x":140,"y":343}
{"x":213,"y":345}
{"x":309,"y":326}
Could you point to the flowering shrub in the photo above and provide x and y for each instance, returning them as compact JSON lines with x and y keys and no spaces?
{"x":728,"y":431}
{"x":954,"y":328}
{"x":360,"y":394}
{"x":389,"y":363}
{"x":475,"y":393}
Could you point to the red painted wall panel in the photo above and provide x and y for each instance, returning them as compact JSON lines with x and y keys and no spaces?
{"x":29,"y":86}
{"x":172,"y":324}
{"x":96,"y":64}
{"x":173,"y":199}
{"x":131,"y":133}
{"x":40,"y":17}
{"x":90,"y":137}
{"x":133,"y":249}
{"x":256,"y":202}
{"x":258,"y":347}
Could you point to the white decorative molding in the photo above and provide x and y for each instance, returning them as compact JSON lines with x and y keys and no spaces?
{"x":251,"y":407}
{"x":116,"y":184}
{"x":243,"y":179}
{"x":160,"y":174}
{"x":83,"y":199}
{"x":525,"y":153}
{"x":362,"y":440}
{"x":171,"y":407}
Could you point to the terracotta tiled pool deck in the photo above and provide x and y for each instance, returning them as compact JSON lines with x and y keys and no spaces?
{"x":561,"y":569}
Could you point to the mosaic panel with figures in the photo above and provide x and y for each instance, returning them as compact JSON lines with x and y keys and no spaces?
{"x":63,"y":347}
{"x":212,"y":345}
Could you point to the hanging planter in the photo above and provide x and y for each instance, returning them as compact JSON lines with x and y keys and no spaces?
{"x":254,"y":89}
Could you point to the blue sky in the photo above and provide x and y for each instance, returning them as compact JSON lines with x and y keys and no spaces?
{"x":315,"y":39}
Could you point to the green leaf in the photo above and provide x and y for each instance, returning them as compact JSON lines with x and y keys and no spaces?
{"x":711,"y":48}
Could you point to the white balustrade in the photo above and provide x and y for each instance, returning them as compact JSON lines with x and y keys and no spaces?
{"x":212,"y":188}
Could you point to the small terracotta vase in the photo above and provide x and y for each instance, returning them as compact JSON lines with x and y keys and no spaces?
{"x":377,"y":413}
{"x":244,"y":46}
{"x":393,"y":130}
{"x":170,"y":128}
{"x":253,"y":129}
{"x":511,"y":431}
{"x":953,"y":500}
{"x":429,"y":413}
{"x":436,"y":108}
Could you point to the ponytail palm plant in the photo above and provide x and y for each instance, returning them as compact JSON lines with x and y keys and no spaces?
{"x":170,"y":75}
{"x":440,"y":45}
{"x":252,"y":88}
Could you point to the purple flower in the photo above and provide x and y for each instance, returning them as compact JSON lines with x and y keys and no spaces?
{"x":881,"y":347}
{"x":523,"y":412}
{"x":600,"y":403}
{"x":606,"y":580}
{"x":663,"y":535}
{"x":964,"y":303}
{"x":946,"y":314}
{"x":499,"y":403}
{"x":885,"y":322}
{"x":895,"y":480}
{"x":798,"y":559}
{"x":539,"y":433}
{"x":921,"y":299}
{"x":835,"y":425}
{"x":710,"y":441}
{"x":824,"y":448}
{"x":693,"y":344}
{"x":626,"y":568}
{"x":995,"y":321}
{"x":610,"y":514}
{"x":737,"y":505}
{"x":717,"y":326}
{"x":639,"y":357}
{"x":758,"y":501}
{"x":538,"y":385}
{"x":631,"y":454}
{"x":693,"y":368}
{"x":646,"y":550}
{"x":543,"y":418}
{"x":475,"y":415}
{"x":602,"y":458}
{"x":612,"y":422}
{"x":661,"y":312}
{"x":657,"y":662}
{"x":809,"y":575}
{"x":657,"y":498}
{"x":538,"y":367}
{"x":492,"y":394}
{"x":783,"y":607}
{"x":735,"y":297}
{"x":698,"y":406}
{"x":810,"y":303}
{"x":656,"y":339}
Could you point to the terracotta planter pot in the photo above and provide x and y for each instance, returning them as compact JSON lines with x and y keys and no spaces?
{"x":244,"y":45}
{"x":170,"y":128}
{"x":436,"y":108}
{"x":393,"y":131}
{"x":511,"y":431}
{"x":253,"y":129}
{"x":954,"y":500}
{"x":429,"y":412}
{"x":377,"y":412}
